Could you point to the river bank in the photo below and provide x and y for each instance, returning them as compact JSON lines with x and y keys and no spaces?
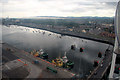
{"x":80,"y":35}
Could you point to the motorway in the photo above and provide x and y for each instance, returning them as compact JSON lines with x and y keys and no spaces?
{"x":99,"y":71}
{"x":16,"y":54}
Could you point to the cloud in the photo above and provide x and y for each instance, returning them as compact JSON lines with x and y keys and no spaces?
{"x":4,"y":1}
{"x":111,"y":4}
{"x":26,"y":8}
{"x":96,"y":9}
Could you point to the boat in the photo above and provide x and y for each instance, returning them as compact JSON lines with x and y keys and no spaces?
{"x":100,"y":55}
{"x":95,"y":63}
{"x":40,"y":53}
{"x":73,"y":47}
{"x":67,"y":63}
{"x":81,"y":49}
{"x":33,"y":52}
{"x":58,"y":62}
{"x":44,"y":56}
{"x":63,"y":62}
{"x":43,"y":33}
{"x":64,"y":58}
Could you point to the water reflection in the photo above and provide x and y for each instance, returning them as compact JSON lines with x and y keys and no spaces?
{"x":55,"y":45}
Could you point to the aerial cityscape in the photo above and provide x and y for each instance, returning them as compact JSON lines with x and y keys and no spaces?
{"x":53,"y":39}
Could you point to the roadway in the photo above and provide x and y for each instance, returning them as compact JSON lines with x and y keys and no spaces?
{"x":99,"y":71}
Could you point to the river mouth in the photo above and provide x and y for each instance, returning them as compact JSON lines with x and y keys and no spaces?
{"x":55,"y":45}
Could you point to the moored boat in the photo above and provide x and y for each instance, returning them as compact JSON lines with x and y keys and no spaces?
{"x":63,"y":62}
{"x":40,"y":53}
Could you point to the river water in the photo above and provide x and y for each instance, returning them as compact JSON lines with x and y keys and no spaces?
{"x":55,"y":45}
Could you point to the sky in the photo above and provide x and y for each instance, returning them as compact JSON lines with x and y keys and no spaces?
{"x":64,"y":8}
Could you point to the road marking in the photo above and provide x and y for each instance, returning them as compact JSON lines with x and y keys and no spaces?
{"x":93,"y":72}
{"x":105,"y":70}
{"x":7,"y":66}
{"x":22,"y":62}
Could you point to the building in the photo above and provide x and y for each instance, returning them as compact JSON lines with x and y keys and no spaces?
{"x":116,"y":52}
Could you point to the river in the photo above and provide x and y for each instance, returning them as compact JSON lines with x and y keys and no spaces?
{"x":55,"y":45}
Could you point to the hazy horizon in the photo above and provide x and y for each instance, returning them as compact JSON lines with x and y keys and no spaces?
{"x":50,"y":17}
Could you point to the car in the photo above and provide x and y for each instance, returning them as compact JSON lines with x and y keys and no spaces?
{"x":95,"y":73}
{"x":101,"y":65}
{"x":36,"y":62}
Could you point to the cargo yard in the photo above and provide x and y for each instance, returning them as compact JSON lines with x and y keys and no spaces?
{"x":23,"y":65}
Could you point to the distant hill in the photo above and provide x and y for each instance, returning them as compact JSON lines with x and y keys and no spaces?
{"x":60,"y":17}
